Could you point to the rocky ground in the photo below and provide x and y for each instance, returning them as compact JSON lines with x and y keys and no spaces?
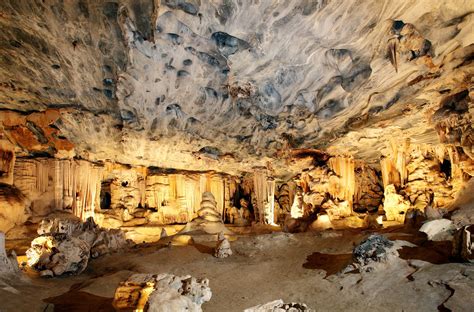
{"x":294,"y":267}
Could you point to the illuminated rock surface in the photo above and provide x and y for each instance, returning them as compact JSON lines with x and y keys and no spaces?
{"x":65,"y":246}
{"x":169,"y":122}
{"x":162,"y":293}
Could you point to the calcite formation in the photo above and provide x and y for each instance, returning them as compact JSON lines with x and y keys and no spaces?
{"x":151,"y":118}
{"x":279,"y":306}
{"x":52,"y":184}
{"x":8,"y":261}
{"x":66,"y":245}
{"x":439,"y":230}
{"x":208,"y":220}
{"x":162,"y":293}
{"x":222,"y":249}
{"x":7,"y":160}
{"x":463,"y":244}
{"x":395,"y":206}
{"x":14,"y":208}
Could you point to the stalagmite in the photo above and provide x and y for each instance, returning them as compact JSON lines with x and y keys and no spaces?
{"x":395,"y":206}
{"x":208,"y":220}
{"x":222,"y":249}
{"x":296,"y":210}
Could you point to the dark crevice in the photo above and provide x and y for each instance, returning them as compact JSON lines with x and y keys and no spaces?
{"x":441,"y":307}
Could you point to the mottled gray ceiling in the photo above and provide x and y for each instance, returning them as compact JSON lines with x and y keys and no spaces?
{"x":229,"y":85}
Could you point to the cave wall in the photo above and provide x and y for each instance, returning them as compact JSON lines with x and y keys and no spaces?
{"x":421,"y":178}
{"x":141,"y":195}
{"x":426,"y":176}
{"x":114,"y":194}
{"x":53,"y":184}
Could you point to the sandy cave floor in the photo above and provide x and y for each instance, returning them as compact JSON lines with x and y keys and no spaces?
{"x":294,"y":267}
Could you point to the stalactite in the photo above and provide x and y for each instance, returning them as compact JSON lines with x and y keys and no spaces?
{"x":260,"y":189}
{"x":346,"y":186}
{"x":394,"y":166}
{"x":180,"y":194}
{"x":67,"y":183}
{"x":270,"y":211}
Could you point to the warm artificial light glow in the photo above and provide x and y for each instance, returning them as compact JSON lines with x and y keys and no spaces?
{"x":296,"y":209}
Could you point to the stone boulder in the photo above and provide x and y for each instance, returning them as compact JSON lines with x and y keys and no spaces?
{"x":373,"y":249}
{"x":162,"y":293}
{"x":59,"y":254}
{"x":65,"y":245}
{"x":439,"y":230}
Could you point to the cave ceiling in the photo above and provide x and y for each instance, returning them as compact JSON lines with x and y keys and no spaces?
{"x":228,"y":85}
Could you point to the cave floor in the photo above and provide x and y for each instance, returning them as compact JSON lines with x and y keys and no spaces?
{"x":294,"y":267}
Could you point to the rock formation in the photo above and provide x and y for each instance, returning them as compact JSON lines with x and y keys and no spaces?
{"x":374,"y":249}
{"x":162,"y":293}
{"x":57,"y":255}
{"x":208,"y":220}
{"x":279,"y":306}
{"x":222,"y":249}
{"x":463,"y":244}
{"x":8,"y":262}
{"x":394,"y":205}
{"x":14,"y":208}
{"x":66,"y":245}
{"x":439,"y":230}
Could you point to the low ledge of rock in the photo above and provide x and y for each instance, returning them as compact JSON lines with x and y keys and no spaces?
{"x":279,"y":306}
